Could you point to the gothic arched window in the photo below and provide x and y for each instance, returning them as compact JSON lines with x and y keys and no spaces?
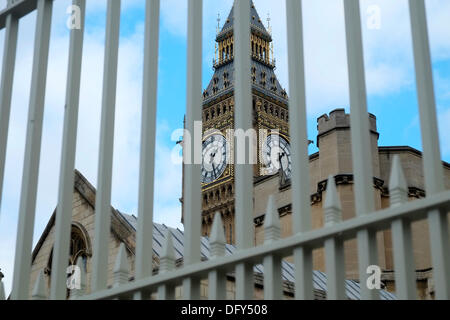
{"x":80,"y":246}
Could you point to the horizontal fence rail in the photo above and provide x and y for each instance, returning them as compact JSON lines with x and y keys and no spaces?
{"x":398,"y":217}
{"x":314,"y":239}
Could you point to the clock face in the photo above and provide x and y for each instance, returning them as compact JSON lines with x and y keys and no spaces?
{"x":215,"y":153}
{"x":276,"y":155}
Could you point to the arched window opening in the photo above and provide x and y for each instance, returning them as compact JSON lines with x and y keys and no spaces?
{"x":80,"y":247}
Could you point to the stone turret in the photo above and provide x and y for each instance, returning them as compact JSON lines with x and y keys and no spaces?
{"x":335,"y":160}
{"x":334,"y":142}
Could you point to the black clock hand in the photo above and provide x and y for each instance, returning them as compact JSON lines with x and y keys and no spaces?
{"x":281,"y":155}
{"x":214,"y":171}
{"x":213,"y":155}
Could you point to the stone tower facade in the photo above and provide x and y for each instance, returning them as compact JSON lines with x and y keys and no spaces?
{"x":270,"y":112}
{"x":335,"y":158}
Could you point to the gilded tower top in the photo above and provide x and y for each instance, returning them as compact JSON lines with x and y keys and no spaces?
{"x":263,"y":63}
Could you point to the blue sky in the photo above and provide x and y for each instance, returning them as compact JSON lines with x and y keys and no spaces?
{"x":390,"y":84}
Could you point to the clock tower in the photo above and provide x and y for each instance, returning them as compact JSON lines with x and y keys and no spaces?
{"x":270,"y":112}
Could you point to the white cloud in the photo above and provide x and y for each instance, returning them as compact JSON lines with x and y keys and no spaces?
{"x":388,"y":51}
{"x":168,"y":187}
{"x":174,"y":16}
{"x":388,"y":60}
{"x":127,"y":131}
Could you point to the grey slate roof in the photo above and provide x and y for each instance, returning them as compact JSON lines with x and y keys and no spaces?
{"x":255,"y":21}
{"x":319,"y":278}
{"x":260,"y":69}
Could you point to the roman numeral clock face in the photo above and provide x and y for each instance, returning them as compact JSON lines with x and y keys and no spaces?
{"x":214,"y":158}
{"x":276,"y":155}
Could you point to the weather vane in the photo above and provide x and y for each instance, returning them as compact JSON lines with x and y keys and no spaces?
{"x":218,"y":22}
{"x":268,"y":23}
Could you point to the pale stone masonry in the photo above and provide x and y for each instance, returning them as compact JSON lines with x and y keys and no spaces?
{"x":83,"y":217}
{"x":83,"y":220}
{"x":333,"y":158}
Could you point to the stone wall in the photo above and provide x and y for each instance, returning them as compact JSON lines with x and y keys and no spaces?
{"x":335,"y":158}
{"x":83,"y":214}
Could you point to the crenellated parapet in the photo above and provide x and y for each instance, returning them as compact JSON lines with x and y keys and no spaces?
{"x":338,"y":119}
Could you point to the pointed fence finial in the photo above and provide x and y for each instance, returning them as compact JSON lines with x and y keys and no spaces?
{"x":168,"y":258}
{"x":2,"y":291}
{"x":39,"y":291}
{"x":80,"y":288}
{"x":217,"y":240}
{"x":122,"y":267}
{"x":272,"y":225}
{"x":332,"y":206}
{"x":398,"y":189}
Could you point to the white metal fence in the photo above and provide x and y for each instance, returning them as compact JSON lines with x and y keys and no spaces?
{"x":300,"y":245}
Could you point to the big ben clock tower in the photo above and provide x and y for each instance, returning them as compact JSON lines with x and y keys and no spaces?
{"x":270,"y":112}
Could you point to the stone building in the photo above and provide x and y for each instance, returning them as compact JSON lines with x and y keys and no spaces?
{"x":123,"y":230}
{"x":272,"y":176}
{"x":334,"y":158}
{"x":270,"y":112}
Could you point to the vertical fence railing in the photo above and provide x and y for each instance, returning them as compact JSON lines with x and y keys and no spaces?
{"x":405,"y":282}
{"x":66,"y":178}
{"x":334,"y":247}
{"x":192,"y":182}
{"x":7,"y":78}
{"x":432,"y":164}
{"x":167,"y":264}
{"x":273,"y":285}
{"x":301,"y":211}
{"x":364,"y":226}
{"x":103,"y":197}
{"x":244,"y":171}
{"x":217,"y":280}
{"x":144,"y":238}
{"x":27,"y":210}
{"x":361,"y":145}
